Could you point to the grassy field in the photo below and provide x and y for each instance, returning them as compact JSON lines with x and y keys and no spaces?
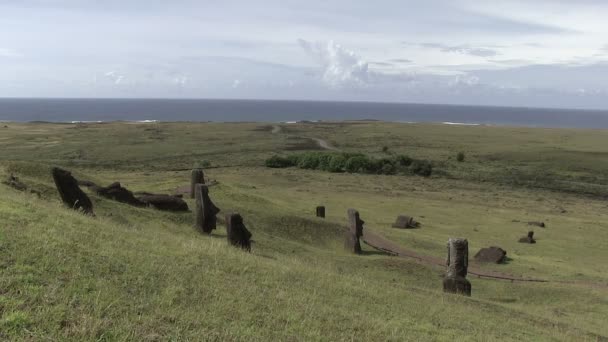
{"x":138,"y":274}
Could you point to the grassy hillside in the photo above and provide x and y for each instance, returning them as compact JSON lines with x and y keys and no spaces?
{"x":140,"y":274}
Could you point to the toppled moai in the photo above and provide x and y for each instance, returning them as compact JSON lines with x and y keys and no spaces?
{"x":457,"y":266}
{"x":320,"y":211}
{"x":117,"y":192}
{"x":405,"y":222}
{"x":69,"y":191}
{"x":529,"y":238}
{"x":14,"y":182}
{"x":492,"y":254}
{"x":537,"y":224}
{"x":206,"y":211}
{"x":197,"y":177}
{"x":355,"y":231}
{"x":238,"y":235}
{"x":163,"y":202}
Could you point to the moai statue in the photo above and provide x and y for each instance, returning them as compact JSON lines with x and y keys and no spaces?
{"x":457,"y":263}
{"x":69,"y":191}
{"x":197,"y":177}
{"x":205,"y":210}
{"x":355,"y":231}
{"x":529,"y":238}
{"x":237,"y":233}
{"x":321,"y":211}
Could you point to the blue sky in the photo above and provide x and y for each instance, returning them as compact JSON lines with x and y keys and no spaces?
{"x":550,"y":53}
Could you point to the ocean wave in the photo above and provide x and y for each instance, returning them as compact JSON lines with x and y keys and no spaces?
{"x":460,"y":123}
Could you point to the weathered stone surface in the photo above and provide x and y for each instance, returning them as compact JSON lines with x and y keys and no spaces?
{"x":69,"y":191}
{"x":404,"y":222}
{"x":457,"y":285}
{"x":355,"y":231}
{"x":238,"y":235}
{"x":116,"y":192}
{"x":320,"y":211}
{"x":197,"y":177}
{"x":163,"y":202}
{"x":352,"y":243}
{"x":86,"y":183}
{"x":14,"y":182}
{"x":457,"y":267}
{"x":529,"y":238}
{"x":206,"y":211}
{"x":537,"y":223}
{"x":495,"y":255}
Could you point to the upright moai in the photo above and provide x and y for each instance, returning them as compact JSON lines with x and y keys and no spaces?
{"x":197,"y":177}
{"x":321,"y":211}
{"x":69,"y":191}
{"x":238,"y":235}
{"x":355,"y":231}
{"x":205,"y":210}
{"x":457,"y":264}
{"x":529,"y":238}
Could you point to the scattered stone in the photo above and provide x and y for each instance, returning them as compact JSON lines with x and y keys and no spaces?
{"x":14,"y":182}
{"x":163,"y":202}
{"x":116,"y":192}
{"x":355,"y":231}
{"x":457,"y":267}
{"x":404,"y":222}
{"x":69,"y":191}
{"x":529,"y":238}
{"x":237,"y":233}
{"x":320,"y":211}
{"x":197,"y":177}
{"x":205,"y":210}
{"x":495,"y":255}
{"x":537,"y":223}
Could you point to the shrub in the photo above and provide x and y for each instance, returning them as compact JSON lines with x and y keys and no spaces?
{"x":460,"y":157}
{"x":324,"y":161}
{"x":337,"y":163}
{"x":279,"y":162}
{"x":359,"y":164}
{"x":385,"y":149}
{"x":308,"y":161}
{"x":404,"y":160}
{"x":422,"y":168}
{"x":389,"y":169}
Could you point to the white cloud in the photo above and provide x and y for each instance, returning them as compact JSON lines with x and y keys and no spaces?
{"x":340,"y":67}
{"x":9,"y":53}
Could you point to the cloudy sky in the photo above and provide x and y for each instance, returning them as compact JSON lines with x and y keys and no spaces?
{"x":550,"y":53}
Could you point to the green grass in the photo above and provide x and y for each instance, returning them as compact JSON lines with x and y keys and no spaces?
{"x":139,"y":274}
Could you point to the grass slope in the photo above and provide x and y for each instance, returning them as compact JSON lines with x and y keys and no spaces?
{"x":139,"y":274}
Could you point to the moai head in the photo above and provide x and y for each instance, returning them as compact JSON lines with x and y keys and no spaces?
{"x":458,"y":257}
{"x":355,"y":223}
{"x":530,"y":235}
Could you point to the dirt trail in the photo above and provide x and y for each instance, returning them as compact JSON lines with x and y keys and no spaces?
{"x":379,"y":242}
{"x":322,"y":143}
{"x":276,"y":129}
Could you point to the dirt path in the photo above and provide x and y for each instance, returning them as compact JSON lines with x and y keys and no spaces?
{"x":324,"y":144}
{"x":276,"y":129}
{"x":381,"y":243}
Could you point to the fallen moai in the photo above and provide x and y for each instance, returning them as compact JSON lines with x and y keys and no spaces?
{"x":537,"y":223}
{"x":116,"y":192}
{"x":320,"y":211}
{"x":206,"y":211}
{"x":69,"y":191}
{"x":529,"y":238}
{"x":197,"y":177}
{"x":163,"y":202}
{"x":238,"y":235}
{"x":495,"y":255}
{"x":457,"y":266}
{"x":355,"y":231}
{"x":404,"y":222}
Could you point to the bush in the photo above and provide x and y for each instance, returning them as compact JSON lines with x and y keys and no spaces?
{"x":385,"y":149}
{"x":337,"y":163}
{"x":324,"y":161}
{"x":422,"y":168}
{"x":308,"y":161}
{"x":404,"y":160}
{"x":358,"y":164}
{"x":389,"y":169}
{"x":279,"y":162}
{"x":460,"y":157}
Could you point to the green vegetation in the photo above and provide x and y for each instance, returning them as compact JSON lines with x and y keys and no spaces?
{"x":143,"y":275}
{"x":352,"y":163}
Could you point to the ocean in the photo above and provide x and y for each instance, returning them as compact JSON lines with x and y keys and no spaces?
{"x":83,"y":110}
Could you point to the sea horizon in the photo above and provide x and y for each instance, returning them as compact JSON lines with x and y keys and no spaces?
{"x":98,"y":110}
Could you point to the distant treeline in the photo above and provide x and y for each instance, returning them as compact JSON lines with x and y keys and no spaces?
{"x":353,"y":163}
